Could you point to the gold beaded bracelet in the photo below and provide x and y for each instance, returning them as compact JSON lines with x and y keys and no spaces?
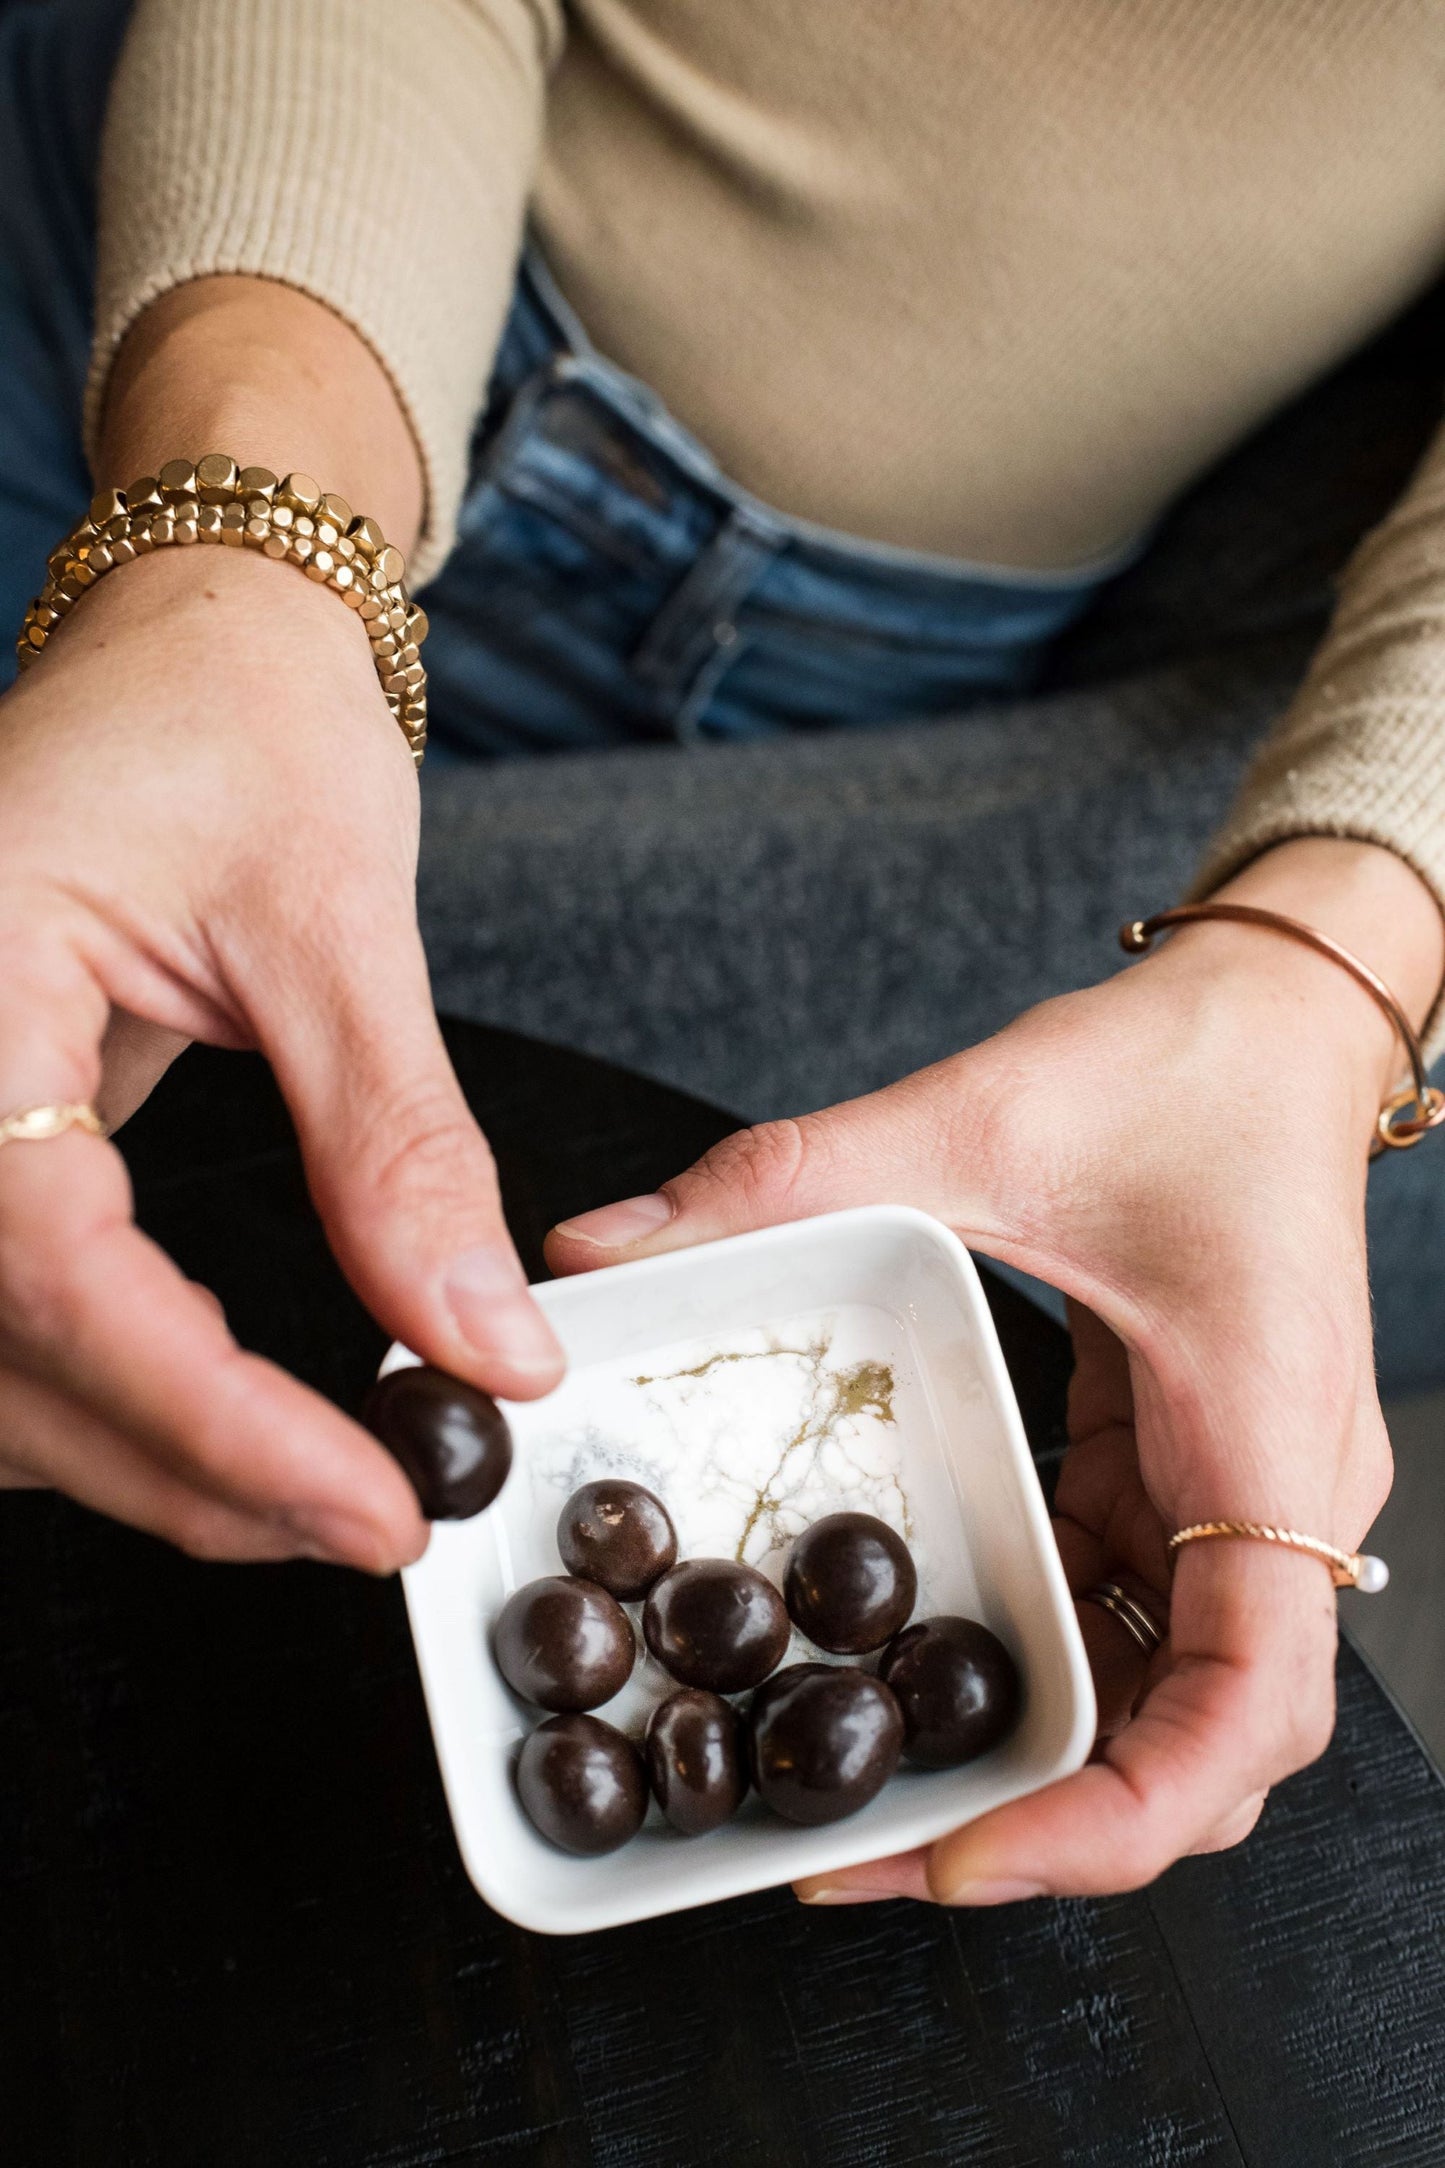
{"x":292,"y":521}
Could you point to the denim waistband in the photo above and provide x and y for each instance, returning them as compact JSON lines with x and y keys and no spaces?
{"x":544,"y":336}
{"x":612,"y":583}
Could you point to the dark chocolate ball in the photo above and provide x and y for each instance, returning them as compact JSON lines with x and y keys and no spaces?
{"x":823,"y":1739}
{"x":850,"y":1583}
{"x":582,"y":1783}
{"x":618,"y":1535}
{"x":957,"y":1686}
{"x":450,"y":1437}
{"x":716,"y":1623}
{"x":563,"y":1643}
{"x":695,"y":1760}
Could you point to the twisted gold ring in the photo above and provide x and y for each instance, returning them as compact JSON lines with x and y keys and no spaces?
{"x":1348,"y":1569}
{"x":33,"y":1125}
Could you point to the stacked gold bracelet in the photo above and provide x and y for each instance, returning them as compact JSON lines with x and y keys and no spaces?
{"x":293,"y":521}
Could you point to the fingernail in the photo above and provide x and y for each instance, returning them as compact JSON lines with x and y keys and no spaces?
{"x":841,"y":1896}
{"x":341,"y":1539}
{"x":615,"y":1225}
{"x":488,"y":1296}
{"x":1007,"y":1890}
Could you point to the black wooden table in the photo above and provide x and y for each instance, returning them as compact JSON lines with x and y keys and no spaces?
{"x":235,"y":1933}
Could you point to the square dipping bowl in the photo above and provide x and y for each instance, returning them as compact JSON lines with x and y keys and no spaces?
{"x":756,"y":1384}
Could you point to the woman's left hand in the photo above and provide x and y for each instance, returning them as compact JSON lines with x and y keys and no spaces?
{"x":1182,"y":1150}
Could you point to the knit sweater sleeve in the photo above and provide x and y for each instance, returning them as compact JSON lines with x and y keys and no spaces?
{"x":1360,"y":751}
{"x":378,"y":158}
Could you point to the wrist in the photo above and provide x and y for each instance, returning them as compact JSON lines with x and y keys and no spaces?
{"x":221,"y":644}
{"x":1362,"y":896}
{"x":256,"y":369}
{"x":1365,"y":897}
{"x":215,"y":501}
{"x":210,"y":605}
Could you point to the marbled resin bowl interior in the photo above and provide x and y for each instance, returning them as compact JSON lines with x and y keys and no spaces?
{"x":756,"y":1384}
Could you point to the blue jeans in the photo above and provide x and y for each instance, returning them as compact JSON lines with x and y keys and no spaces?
{"x":830,"y":810}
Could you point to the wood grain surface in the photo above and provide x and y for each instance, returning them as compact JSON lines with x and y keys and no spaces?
{"x":235,"y":1933}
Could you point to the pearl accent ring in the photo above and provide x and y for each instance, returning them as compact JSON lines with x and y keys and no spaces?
{"x":1348,"y":1569}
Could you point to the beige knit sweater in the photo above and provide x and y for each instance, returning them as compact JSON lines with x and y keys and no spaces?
{"x":988,"y":277}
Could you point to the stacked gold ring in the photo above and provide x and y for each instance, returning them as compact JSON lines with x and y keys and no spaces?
{"x":291,"y":520}
{"x":1140,"y":1625}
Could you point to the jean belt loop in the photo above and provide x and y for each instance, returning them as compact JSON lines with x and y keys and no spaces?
{"x":694,"y":635}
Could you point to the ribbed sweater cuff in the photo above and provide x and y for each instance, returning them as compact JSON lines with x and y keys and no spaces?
{"x":381,"y":168}
{"x":1361,"y":750}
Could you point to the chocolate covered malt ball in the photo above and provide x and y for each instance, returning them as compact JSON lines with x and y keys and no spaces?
{"x":581,"y":1783}
{"x":823,"y":1739}
{"x":450,"y":1438}
{"x":695,"y":1760}
{"x":563,"y":1643}
{"x":717,"y":1624}
{"x":957,"y":1686}
{"x":618,"y":1535}
{"x":850,"y":1583}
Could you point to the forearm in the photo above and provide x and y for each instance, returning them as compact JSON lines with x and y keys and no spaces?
{"x":251,"y":367}
{"x":373,"y":158}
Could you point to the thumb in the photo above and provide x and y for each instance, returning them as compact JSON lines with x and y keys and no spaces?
{"x":401,"y":1174}
{"x":889,"y":1147}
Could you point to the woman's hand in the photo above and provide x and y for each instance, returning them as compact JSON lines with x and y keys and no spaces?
{"x":208,"y":829}
{"x":1182,"y":1150}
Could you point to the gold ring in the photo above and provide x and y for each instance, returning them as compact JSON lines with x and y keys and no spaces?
{"x":1141,"y":1627}
{"x":32,"y":1125}
{"x":1348,"y":1569}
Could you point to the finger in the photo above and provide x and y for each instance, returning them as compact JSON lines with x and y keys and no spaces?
{"x":884,"y":1147}
{"x":93,"y":1308}
{"x":400,"y":1171}
{"x":1246,"y":1698}
{"x":1100,"y":1486}
{"x":1100,"y":1495}
{"x":1246,"y":1412}
{"x":53,"y":1016}
{"x":1117,"y":1662}
{"x":208,"y":1297}
{"x":50,"y":1441}
{"x":1105,"y":1526}
{"x":1119,"y":1666}
{"x":904,"y":1875}
{"x":1235,"y":1827}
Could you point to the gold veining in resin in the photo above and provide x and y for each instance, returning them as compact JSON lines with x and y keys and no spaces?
{"x":836,"y":1397}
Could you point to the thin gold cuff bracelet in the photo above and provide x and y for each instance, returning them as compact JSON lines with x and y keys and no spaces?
{"x":291,"y":520}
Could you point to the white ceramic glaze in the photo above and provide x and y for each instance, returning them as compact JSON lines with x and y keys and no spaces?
{"x":756,"y":1384}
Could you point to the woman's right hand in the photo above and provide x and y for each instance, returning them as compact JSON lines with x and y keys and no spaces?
{"x":208,"y":830}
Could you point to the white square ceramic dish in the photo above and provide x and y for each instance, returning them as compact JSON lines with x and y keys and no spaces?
{"x":755,"y":1384}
